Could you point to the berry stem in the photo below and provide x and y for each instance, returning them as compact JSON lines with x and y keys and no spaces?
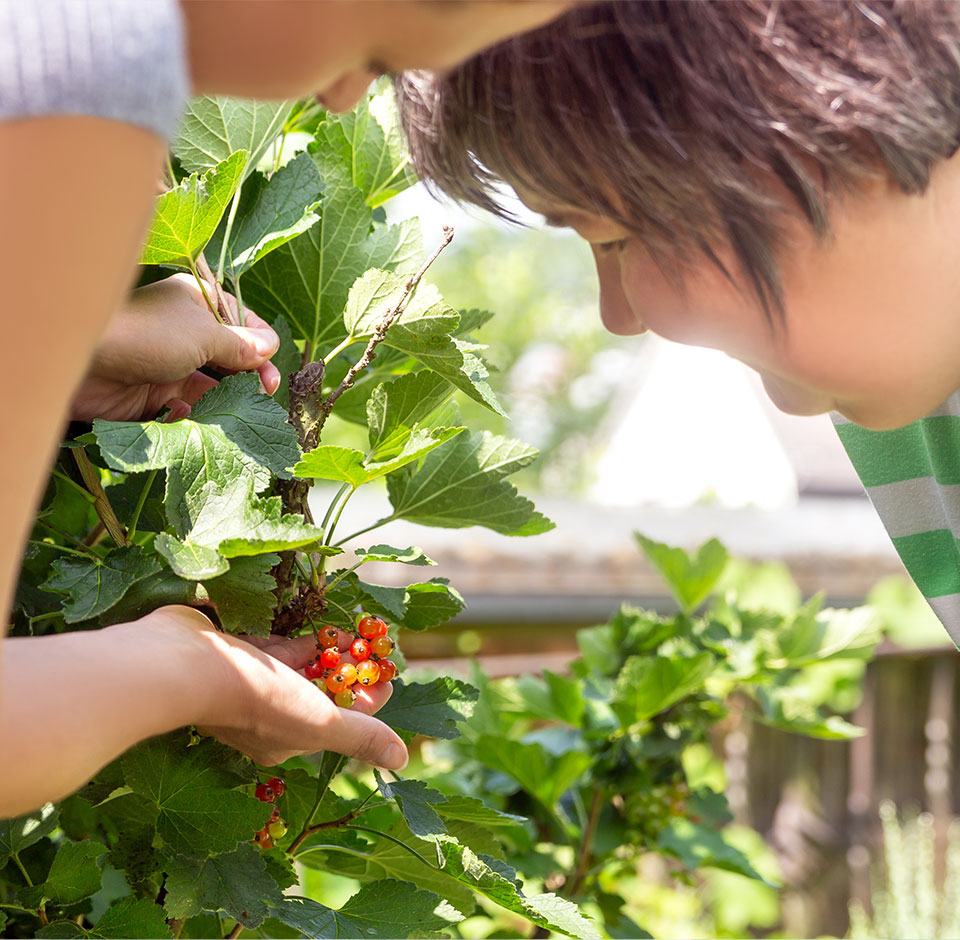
{"x":237,"y":930}
{"x":334,"y":823}
{"x":586,"y":844}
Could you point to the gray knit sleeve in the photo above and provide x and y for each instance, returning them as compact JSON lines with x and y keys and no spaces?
{"x":124,"y":60}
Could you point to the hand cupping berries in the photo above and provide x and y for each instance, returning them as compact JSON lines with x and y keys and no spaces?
{"x":366,"y":664}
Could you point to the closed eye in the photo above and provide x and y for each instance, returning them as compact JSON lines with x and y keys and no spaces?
{"x":617,"y":245}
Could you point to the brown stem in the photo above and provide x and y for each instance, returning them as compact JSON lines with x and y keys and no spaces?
{"x":91,"y":480}
{"x":319,"y":827}
{"x":218,"y":298}
{"x":235,"y":932}
{"x":586,"y":844}
{"x":390,"y":317}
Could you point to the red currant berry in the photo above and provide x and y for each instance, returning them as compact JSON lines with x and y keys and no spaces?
{"x":330,"y":658}
{"x":336,"y":683}
{"x":262,"y":838}
{"x":360,"y":650}
{"x":313,"y":669}
{"x":279,"y":787}
{"x":382,"y":646}
{"x":368,"y":672}
{"x":388,"y":670}
{"x":265,"y":793}
{"x":275,"y":815}
{"x":346,"y":698}
{"x":371,"y":627}
{"x":349,"y":673}
{"x":328,"y":637}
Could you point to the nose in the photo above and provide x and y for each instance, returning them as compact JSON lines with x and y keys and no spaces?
{"x":347,"y":90}
{"x":615,"y":310}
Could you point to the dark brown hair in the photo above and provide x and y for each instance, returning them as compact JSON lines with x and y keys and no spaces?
{"x":659,"y":113}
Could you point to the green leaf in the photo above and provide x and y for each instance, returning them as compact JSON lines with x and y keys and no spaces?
{"x":414,"y":798}
{"x":395,"y":409}
{"x":377,"y":291}
{"x":370,"y":141}
{"x":216,"y":460}
{"x":307,"y":280}
{"x":431,"y":603}
{"x":213,"y":128}
{"x":270,"y":213}
{"x":187,"y":216}
{"x":189,"y":560}
{"x":132,"y":917}
{"x":463,"y":484}
{"x":329,"y":462}
{"x":542,"y":775}
{"x":790,"y":709}
{"x":94,"y":585}
{"x":379,"y":911}
{"x":698,"y":846}
{"x":648,"y":685}
{"x":407,"y":556}
{"x":814,"y":635}
{"x":553,"y":697}
{"x":236,"y":882}
{"x":431,"y":708}
{"x":689,"y":578}
{"x":472,"y":810}
{"x":23,"y":831}
{"x":74,"y":873}
{"x":199,"y":811}
{"x":244,"y":596}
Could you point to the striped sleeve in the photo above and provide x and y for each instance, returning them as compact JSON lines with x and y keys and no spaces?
{"x":912,"y":477}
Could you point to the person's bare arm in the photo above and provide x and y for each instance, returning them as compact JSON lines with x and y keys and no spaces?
{"x":75,"y":198}
{"x":71,"y":702}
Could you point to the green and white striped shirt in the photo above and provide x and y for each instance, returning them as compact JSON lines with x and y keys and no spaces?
{"x":912,"y":476}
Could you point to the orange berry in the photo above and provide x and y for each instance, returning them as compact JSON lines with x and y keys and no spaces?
{"x":388,"y":670}
{"x":383,"y":646}
{"x":336,"y":683}
{"x":328,"y":637}
{"x":349,"y":673}
{"x":368,"y":672}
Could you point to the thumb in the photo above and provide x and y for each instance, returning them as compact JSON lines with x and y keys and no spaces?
{"x":239,"y":348}
{"x":356,"y":735}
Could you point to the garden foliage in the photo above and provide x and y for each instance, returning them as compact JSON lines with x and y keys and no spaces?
{"x":281,"y":204}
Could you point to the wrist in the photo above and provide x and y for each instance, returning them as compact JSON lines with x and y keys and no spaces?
{"x":195,"y":660}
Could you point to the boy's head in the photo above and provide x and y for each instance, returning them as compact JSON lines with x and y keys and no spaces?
{"x":772,"y":179}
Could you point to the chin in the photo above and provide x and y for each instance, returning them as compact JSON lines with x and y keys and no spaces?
{"x":795,"y":401}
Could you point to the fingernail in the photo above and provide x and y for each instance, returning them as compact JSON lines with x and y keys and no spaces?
{"x":265,"y":343}
{"x":395,"y":757}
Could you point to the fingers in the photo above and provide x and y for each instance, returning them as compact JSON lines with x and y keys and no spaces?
{"x":357,"y":735}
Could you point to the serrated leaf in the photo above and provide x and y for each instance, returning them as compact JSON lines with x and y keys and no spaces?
{"x":648,"y":685}
{"x":407,"y":556}
{"x":396,"y":408}
{"x":462,"y":484}
{"x":96,"y":584}
{"x":23,"y":831}
{"x":414,"y":798}
{"x":469,"y":809}
{"x":790,"y":710}
{"x":554,"y":697}
{"x":698,"y":846}
{"x":186,"y":216}
{"x":346,"y":465}
{"x":214,"y":127}
{"x":544,"y":776}
{"x":370,"y":141}
{"x":377,"y":291}
{"x":216,"y":461}
{"x":307,"y":280}
{"x":199,"y":811}
{"x":189,"y":560}
{"x":431,"y":603}
{"x":235,"y":882}
{"x":270,"y":213}
{"x":690,"y":578}
{"x":132,"y":917}
{"x":244,"y":596}
{"x":380,"y":911}
{"x":74,"y":873}
{"x":431,"y":708}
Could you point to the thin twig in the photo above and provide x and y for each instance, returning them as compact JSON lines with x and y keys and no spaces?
{"x":330,"y":824}
{"x":379,"y":334}
{"x":235,"y":932}
{"x":91,"y":480}
{"x":586,"y":843}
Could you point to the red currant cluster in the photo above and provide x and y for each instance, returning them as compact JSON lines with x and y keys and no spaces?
{"x":369,"y":652}
{"x":275,"y":828}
